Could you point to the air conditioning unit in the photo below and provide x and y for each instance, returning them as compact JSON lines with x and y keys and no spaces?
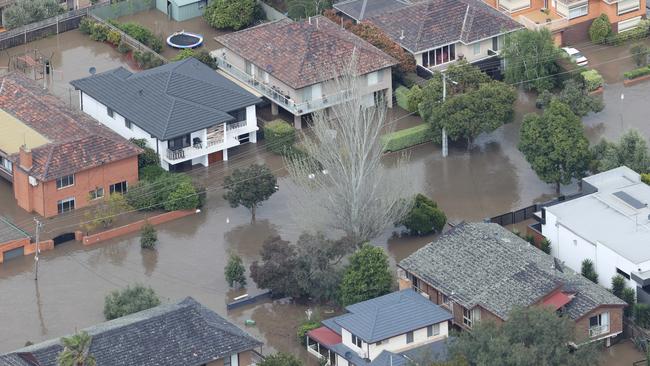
{"x":33,"y":181}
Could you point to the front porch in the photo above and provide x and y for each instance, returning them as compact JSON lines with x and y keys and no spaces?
{"x":319,"y":342}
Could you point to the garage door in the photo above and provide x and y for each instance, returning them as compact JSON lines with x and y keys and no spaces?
{"x":14,"y":253}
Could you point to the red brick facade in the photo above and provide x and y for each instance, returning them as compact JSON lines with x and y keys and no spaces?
{"x":615,"y":323}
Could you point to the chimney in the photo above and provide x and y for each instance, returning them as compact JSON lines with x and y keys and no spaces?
{"x":25,"y":157}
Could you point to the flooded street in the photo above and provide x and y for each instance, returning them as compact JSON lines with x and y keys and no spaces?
{"x":490,"y":179}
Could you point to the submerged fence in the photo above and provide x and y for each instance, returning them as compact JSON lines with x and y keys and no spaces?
{"x":526,"y":213}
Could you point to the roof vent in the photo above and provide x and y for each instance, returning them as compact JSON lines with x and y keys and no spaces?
{"x":141,"y":92}
{"x":627,"y":198}
{"x":401,"y":37}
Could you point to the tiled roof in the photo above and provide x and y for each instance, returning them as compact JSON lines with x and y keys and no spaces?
{"x":390,"y":315}
{"x":485,"y":264}
{"x":305,"y":52}
{"x":170,"y":100}
{"x":185,"y":333}
{"x":430,"y":24}
{"x":76,"y":141}
{"x":363,"y":9}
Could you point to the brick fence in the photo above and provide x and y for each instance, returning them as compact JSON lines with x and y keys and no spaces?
{"x":133,"y":227}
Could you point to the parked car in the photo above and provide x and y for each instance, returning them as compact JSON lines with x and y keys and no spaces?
{"x":576,"y":56}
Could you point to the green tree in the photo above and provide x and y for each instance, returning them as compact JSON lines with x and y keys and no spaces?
{"x":250,"y":187}
{"x":531,"y":56}
{"x":600,"y":29}
{"x":366,"y":276}
{"x":554,"y":145}
{"x":148,"y":236}
{"x":235,"y":272}
{"x":148,"y":157}
{"x":184,"y":197}
{"x":631,"y":150}
{"x":24,"y":12}
{"x":231,"y":14}
{"x":588,"y":270}
{"x":618,"y":285}
{"x":303,"y":9}
{"x":104,"y":212}
{"x":281,"y":359}
{"x":574,"y":95}
{"x":424,"y":217}
{"x":545,"y":246}
{"x":531,"y":336}
{"x":629,"y":296}
{"x":129,"y":300}
{"x":639,"y":53}
{"x":202,"y":55}
{"x":76,"y":351}
{"x":466,"y":116}
{"x":275,"y":271}
{"x":642,"y":315}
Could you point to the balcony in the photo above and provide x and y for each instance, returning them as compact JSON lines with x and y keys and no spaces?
{"x":598,"y":330}
{"x":511,"y":6}
{"x":536,"y":20}
{"x":219,"y":141}
{"x":275,"y":95}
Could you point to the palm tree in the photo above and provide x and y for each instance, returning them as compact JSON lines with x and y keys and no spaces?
{"x":76,"y":351}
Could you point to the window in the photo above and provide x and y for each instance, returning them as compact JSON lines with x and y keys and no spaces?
{"x":97,"y":193}
{"x":356,"y":341}
{"x":128,"y":124}
{"x":65,"y":205}
{"x":109,"y":111}
{"x":373,"y":78}
{"x":409,"y":337}
{"x":578,"y":10}
{"x":626,"y":6}
{"x":622,"y":273}
{"x":446,"y":301}
{"x":120,"y":187}
{"x":227,"y":360}
{"x":495,"y":43}
{"x":65,"y":181}
{"x":477,"y":48}
{"x":599,"y":324}
{"x":6,"y":164}
{"x":439,"y":56}
{"x":628,"y":24}
{"x":433,"y":330}
{"x":467,"y":317}
{"x":179,"y":142}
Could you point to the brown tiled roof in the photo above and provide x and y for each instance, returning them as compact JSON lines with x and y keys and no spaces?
{"x":77,"y":141}
{"x":305,"y":52}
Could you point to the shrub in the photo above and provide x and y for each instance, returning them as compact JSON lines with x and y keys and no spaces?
{"x":416,"y":95}
{"x":639,"y":53}
{"x":367,"y":276}
{"x":123,"y":47}
{"x":185,"y":53}
{"x":545,"y":246}
{"x":146,"y":60}
{"x":279,"y":136}
{"x":645,"y":178}
{"x":148,"y":236}
{"x":641,"y":313}
{"x":151,"y":172}
{"x":402,"y":95}
{"x":629,"y":296}
{"x":148,"y":157}
{"x":281,"y":359}
{"x":618,"y":285}
{"x":235,"y":271}
{"x":86,"y":26}
{"x":587,"y":270}
{"x":600,"y":29}
{"x":129,"y":300}
{"x":408,"y":137}
{"x":233,"y":14}
{"x":640,"y":32}
{"x":424,"y":217}
{"x":99,"y":32}
{"x":593,"y":80}
{"x":304,"y":328}
{"x":184,"y":197}
{"x":24,"y":12}
{"x":114,"y":37}
{"x":633,"y":74}
{"x":140,"y":33}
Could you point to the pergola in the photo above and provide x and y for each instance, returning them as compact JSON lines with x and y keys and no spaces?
{"x":320,"y":340}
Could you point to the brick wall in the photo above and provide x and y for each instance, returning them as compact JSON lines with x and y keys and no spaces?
{"x":615,"y":322}
{"x":4,"y":247}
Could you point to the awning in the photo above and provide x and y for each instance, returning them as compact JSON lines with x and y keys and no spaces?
{"x":324,"y":336}
{"x":557,"y":300}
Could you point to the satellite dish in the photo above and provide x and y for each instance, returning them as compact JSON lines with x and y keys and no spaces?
{"x":92,"y":70}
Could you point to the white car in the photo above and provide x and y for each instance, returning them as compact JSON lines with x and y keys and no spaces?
{"x":576,"y":56}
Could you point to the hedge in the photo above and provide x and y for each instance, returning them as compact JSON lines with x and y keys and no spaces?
{"x":402,"y":139}
{"x":593,"y":80}
{"x":279,"y":136}
{"x":140,"y":33}
{"x":640,"y":32}
{"x":633,"y":74}
{"x":402,"y":96}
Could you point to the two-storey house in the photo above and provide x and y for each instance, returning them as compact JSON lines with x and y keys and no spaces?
{"x":57,"y":158}
{"x":295,"y":64}
{"x":188,"y":113}
{"x":482,"y":271}
{"x":383,"y":331}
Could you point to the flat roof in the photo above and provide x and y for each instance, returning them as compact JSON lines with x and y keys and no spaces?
{"x":616,"y":216}
{"x":14,"y":133}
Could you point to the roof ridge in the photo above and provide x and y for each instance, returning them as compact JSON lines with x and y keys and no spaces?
{"x":169,"y":116}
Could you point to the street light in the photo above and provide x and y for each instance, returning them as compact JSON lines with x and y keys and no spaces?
{"x":445,"y":149}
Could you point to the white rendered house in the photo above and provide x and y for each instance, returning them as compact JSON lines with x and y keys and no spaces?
{"x":610,"y":226}
{"x":187,"y":113}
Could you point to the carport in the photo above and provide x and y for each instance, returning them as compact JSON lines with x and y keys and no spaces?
{"x":12,"y":240}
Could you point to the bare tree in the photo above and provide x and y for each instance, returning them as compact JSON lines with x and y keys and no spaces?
{"x":342,"y":184}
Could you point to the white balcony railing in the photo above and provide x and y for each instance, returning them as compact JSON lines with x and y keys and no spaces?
{"x":274,"y":94}
{"x":539,"y":24}
{"x":598,"y":330}
{"x":216,"y":141}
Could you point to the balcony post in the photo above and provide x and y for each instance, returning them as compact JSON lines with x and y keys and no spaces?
{"x":297,"y":122}
{"x":274,"y":109}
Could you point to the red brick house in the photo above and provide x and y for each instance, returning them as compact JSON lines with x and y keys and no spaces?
{"x":58,"y":158}
{"x":482,"y":271}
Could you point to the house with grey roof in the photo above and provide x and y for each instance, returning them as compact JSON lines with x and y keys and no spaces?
{"x":188,"y":113}
{"x":387,"y":330}
{"x":438,"y":32}
{"x":609,"y":226}
{"x":482,"y":271}
{"x":183,"y":333}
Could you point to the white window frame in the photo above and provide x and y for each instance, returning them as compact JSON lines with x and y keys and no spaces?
{"x":581,"y":5}
{"x":603,"y":324}
{"x":69,"y":181}
{"x":636,"y":6}
{"x":446,"y":301}
{"x":63,"y":202}
{"x":433,"y":330}
{"x":434,"y":58}
{"x":6,"y":164}
{"x":111,"y":188}
{"x":356,"y":341}
{"x":624,"y":27}
{"x":467,"y":317}
{"x":411,"y":336}
{"x":373,"y":78}
{"x":94,"y":194}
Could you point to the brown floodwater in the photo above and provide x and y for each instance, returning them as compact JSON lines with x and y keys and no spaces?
{"x":489,"y":179}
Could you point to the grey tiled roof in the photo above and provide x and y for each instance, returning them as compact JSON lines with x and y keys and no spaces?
{"x":169,"y":100}
{"x":430,"y":24}
{"x":390,"y":315}
{"x":485,"y":264}
{"x":433,"y":351}
{"x":185,"y":333}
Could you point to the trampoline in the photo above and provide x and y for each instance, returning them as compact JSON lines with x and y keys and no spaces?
{"x":185,"y":39}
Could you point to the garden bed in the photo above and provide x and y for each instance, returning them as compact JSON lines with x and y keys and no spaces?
{"x":637,"y":80}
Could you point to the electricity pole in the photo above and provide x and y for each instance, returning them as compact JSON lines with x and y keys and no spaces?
{"x":445,"y":150}
{"x":39,"y":225}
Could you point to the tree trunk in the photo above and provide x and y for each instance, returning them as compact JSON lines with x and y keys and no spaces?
{"x":253,"y":214}
{"x":469,"y":143}
{"x":557,"y":187}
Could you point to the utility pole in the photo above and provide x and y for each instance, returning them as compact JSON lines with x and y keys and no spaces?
{"x":445,"y":150}
{"x":39,"y":225}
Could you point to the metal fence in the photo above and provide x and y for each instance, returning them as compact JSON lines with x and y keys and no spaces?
{"x":526,"y":213}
